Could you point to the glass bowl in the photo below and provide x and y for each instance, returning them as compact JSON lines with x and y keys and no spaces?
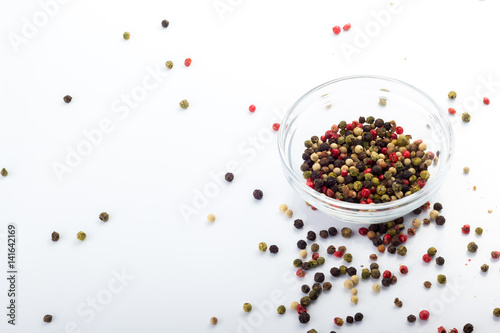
{"x":347,"y":99}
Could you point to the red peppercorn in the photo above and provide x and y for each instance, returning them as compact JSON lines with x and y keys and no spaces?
{"x":424,"y":314}
{"x":387,"y":239}
{"x":338,"y":254}
{"x":336,"y":29}
{"x":381,"y":177}
{"x":495,"y":254}
{"x":399,"y":130}
{"x":187,"y":62}
{"x":405,"y":182}
{"x":394,"y":136}
{"x":406,"y":154}
{"x":441,"y":329}
{"x":374,"y":133}
{"x":335,"y":152}
{"x":323,"y":138}
{"x":393,"y":157}
{"x":344,"y":173}
{"x":252,"y":108}
{"x":387,"y":275}
{"x":452,"y":111}
{"x":347,"y":26}
{"x":330,"y":193}
{"x":426,"y":205}
{"x":486,"y":101}
{"x":431,"y":155}
{"x":315,"y":256}
{"x":453,"y":330}
{"x":300,"y":273}
{"x":363,"y":231}
{"x":427,"y":257}
{"x":403,"y":238}
{"x":276,"y":127}
{"x":365,"y":193}
{"x":368,"y":170}
{"x":383,"y":150}
{"x":329,"y":134}
{"x":301,"y":309}
{"x":348,"y":127}
{"x":466,"y":229}
{"x":403,"y":269}
{"x":369,"y":201}
{"x":421,"y":182}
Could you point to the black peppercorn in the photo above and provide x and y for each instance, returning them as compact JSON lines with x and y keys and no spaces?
{"x":374,"y":265}
{"x":351,"y":271}
{"x":386,"y":282}
{"x":377,"y":241}
{"x":257,"y":194}
{"x":164,"y":23}
{"x":323,"y":234}
{"x":437,"y":206}
{"x":440,"y":261}
{"x":417,"y":211}
{"x":67,"y":98}
{"x":468,"y":328}
{"x":273,"y":249}
{"x":47,"y":318}
{"x":391,"y":249}
{"x":319,"y":277}
{"x":304,"y":318}
{"x":411,"y":319}
{"x":379,"y":122}
{"x":331,"y":249}
{"x":298,"y":223}
{"x":55,"y":236}
{"x":349,"y":319}
{"x":358,"y":316}
{"x":375,"y":273}
{"x":335,"y":272}
{"x":440,"y":220}
{"x":229,"y":177}
{"x":301,"y":244}
{"x":313,"y":295}
{"x":305,"y":288}
{"x":311,"y":235}
{"x":332,"y":231}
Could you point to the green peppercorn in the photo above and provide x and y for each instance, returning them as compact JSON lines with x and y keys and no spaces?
{"x":4,"y":172}
{"x":81,"y":235}
{"x":432,"y":251}
{"x":262,"y":247}
{"x":126,"y":35}
{"x":343,"y":270}
{"x":347,"y":257}
{"x":320,"y":260}
{"x":315,"y":247}
{"x":281,"y":309}
{"x":375,"y":273}
{"x":479,"y":231}
{"x":169,"y":64}
{"x":452,"y":95}
{"x":247,"y":307}
{"x":401,"y":250}
{"x":307,"y":174}
{"x":297,"y":263}
{"x":365,"y":273}
{"x":346,"y":232}
{"x":313,"y":263}
{"x":484,"y":268}
{"x":312,"y":331}
{"x":466,"y":117}
{"x":472,"y":247}
{"x":305,"y":301}
{"x":184,"y":104}
{"x":496,"y":312}
{"x":370,"y":120}
{"x":441,"y":279}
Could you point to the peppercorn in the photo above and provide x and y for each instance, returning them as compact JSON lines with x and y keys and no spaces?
{"x":312,"y":331}
{"x":381,"y":248}
{"x":338,"y":321}
{"x":304,"y":318}
{"x":466,"y":117}
{"x":81,"y":235}
{"x":417,"y":211}
{"x":67,"y":98}
{"x":214,"y":320}
{"x":331,"y":249}
{"x":433,"y":214}
{"x":273,"y":249}
{"x":346,"y":232}
{"x":440,"y":261}
{"x":164,"y":23}
{"x":472,"y":247}
{"x":301,"y":244}
{"x":297,"y":263}
{"x":354,"y":299}
{"x":452,"y":95}
{"x":47,"y":318}
{"x":391,"y":249}
{"x":319,"y":277}
{"x":327,"y":286}
{"x":311,"y":235}
{"x":294,"y":305}
{"x":440,"y":220}
{"x":468,"y":328}
{"x":229,"y":177}
{"x":342,"y":249}
{"x":479,"y":231}
{"x":403,"y":269}
{"x":332,"y":231}
{"x":424,"y":315}
{"x":305,"y":289}
{"x":401,"y":250}
{"x":334,"y":271}
{"x":354,"y":291}
{"x":416,"y":223}
{"x":358,"y":316}
{"x":411,"y":318}
{"x":257,"y":194}
{"x":184,"y":104}
{"x":320,"y":260}
{"x":169,"y":64}
{"x":305,"y":301}
{"x":484,"y":268}
{"x":427,"y":284}
{"x":437,"y":206}
{"x":365,"y":274}
{"x":441,"y":279}
{"x":412,"y":231}
{"x":303,"y":253}
{"x":373,"y":257}
{"x":496,"y":312}
{"x":323,"y":234}
{"x":348,"y":284}
{"x":374,"y":265}
{"x":126,"y":35}
{"x":427,"y":221}
{"x":55,"y":236}
{"x":104,"y":216}
{"x":432,"y":251}
{"x":376,"y":287}
{"x":398,"y":302}
{"x":343,"y":269}
{"x":466,"y":170}
{"x":306,"y":265}
{"x":297,"y":223}
{"x":247,"y":307}
{"x":375,"y":273}
{"x":315,"y":247}
{"x":347,"y":257}
{"x":351,"y":271}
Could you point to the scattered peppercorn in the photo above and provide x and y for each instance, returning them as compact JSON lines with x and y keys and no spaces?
{"x":294,"y":305}
{"x":417,"y":211}
{"x":303,"y":253}
{"x":319,"y":277}
{"x":427,"y":284}
{"x":466,"y":117}
{"x":273,"y":249}
{"x":343,"y":270}
{"x":229,"y":177}
{"x":381,"y":248}
{"x":347,"y":257}
{"x":184,"y":104}
{"x":338,"y":321}
{"x":81,"y":235}
{"x":398,"y":302}
{"x":495,"y":254}
{"x":484,"y":268}
{"x":349,"y":319}
{"x":323,"y":234}
{"x":468,"y":328}
{"x":312,"y":331}
{"x":262,"y":247}
{"x":332,"y":231}
{"x":373,"y":257}
{"x":452,"y":95}
{"x":164,"y":23}
{"x":126,"y":35}
{"x":301,"y":244}
{"x":354,"y":299}
{"x":276,"y":127}
{"x":304,"y":318}
{"x":403,"y":269}
{"x":299,"y":224}
{"x":351,"y":271}
{"x":479,"y":231}
{"x":104,"y":216}
{"x":437,"y":206}
{"x":496,"y":312}
{"x":440,"y":220}
{"x":432,"y":251}
{"x":214,"y":320}
{"x":47,"y":318}
{"x":358,"y":316}
{"x":346,"y":232}
{"x":401,"y":250}
{"x":472,"y":247}
{"x":327,"y":286}
{"x":336,"y":30}
{"x":289,"y":213}
{"x":348,"y":284}
{"x":247,"y":307}
{"x":334,"y":271}
{"x":386,"y":282}
{"x":434,"y":214}
{"x":331,"y":249}
{"x":169,"y":64}
{"x":411,"y":318}
{"x":486,"y":101}
{"x":424,"y":314}
{"x":315,"y":247}
{"x":297,"y":263}
{"x":257,"y":194}
{"x":466,"y":170}
{"x":427,"y":221}
{"x":311,"y":235}
{"x":440,"y":261}
{"x":354,"y":291}
{"x":441,"y":279}
{"x":375,"y":273}
{"x":281,"y":309}
{"x":187,"y":62}
{"x":55,"y":236}
{"x":67,"y":99}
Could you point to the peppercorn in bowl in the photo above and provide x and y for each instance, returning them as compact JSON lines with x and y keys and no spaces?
{"x":365,"y":149}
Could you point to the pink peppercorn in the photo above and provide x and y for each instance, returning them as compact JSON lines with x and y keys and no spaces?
{"x":441,"y":329}
{"x":300,"y":273}
{"x":315,"y":256}
{"x":276,"y":127}
{"x":399,"y":130}
{"x":424,"y":314}
{"x":252,"y":108}
{"x":387,"y":275}
{"x":403,"y":238}
{"x":363,"y":231}
{"x":187,"y":62}
{"x":486,"y":101}
{"x":495,"y":254}
{"x":427,"y":257}
{"x":301,"y":309}
{"x":347,"y":26}
{"x":338,"y":254}
{"x":403,"y":269}
{"x":386,"y":239}
{"x":466,"y":229}
{"x":336,"y":29}
{"x":452,"y":111}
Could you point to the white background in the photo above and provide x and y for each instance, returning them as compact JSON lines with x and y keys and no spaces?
{"x":157,"y":156}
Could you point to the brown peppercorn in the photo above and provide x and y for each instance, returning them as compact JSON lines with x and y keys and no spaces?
{"x":437,"y":206}
{"x":327,"y":286}
{"x":391,"y":249}
{"x":427,"y":284}
{"x":305,"y":289}
{"x":323,"y":234}
{"x":484,"y":268}
{"x":315,"y":247}
{"x":440,"y":220}
{"x":374,"y":265}
{"x":257,"y":194}
{"x":229,"y":177}
{"x":332,"y":231}
{"x":47,"y":318}
{"x":472,"y":247}
{"x":55,"y":236}
{"x":349,"y":319}
{"x":311,"y":235}
{"x":358,"y":316}
{"x":440,"y":261}
{"x":371,"y":234}
{"x":346,"y":232}
{"x":214,"y":320}
{"x":398,"y":302}
{"x":342,"y":249}
{"x":411,"y":318}
{"x":468,"y":328}
{"x":273,"y":249}
{"x":319,"y":277}
{"x":301,"y":244}
{"x":298,"y":223}
{"x":104,"y":216}
{"x":165,"y":23}
{"x":496,"y":312}
{"x":331,"y":249}
{"x":381,"y":248}
{"x":67,"y":98}
{"x":386,"y":282}
{"x":304,"y":318}
{"x":334,"y":271}
{"x":373,"y":257}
